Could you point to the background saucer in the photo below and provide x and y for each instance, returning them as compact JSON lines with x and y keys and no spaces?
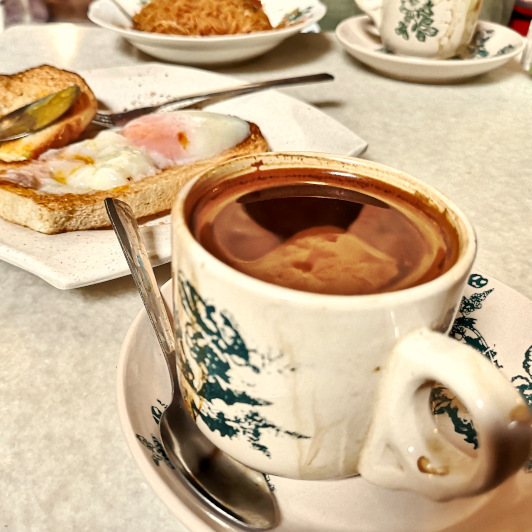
{"x":493,"y":45}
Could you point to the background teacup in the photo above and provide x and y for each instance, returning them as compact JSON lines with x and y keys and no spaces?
{"x":327,"y":378}
{"x":424,"y":28}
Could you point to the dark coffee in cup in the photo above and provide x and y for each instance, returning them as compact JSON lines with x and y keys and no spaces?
{"x":324,"y":231}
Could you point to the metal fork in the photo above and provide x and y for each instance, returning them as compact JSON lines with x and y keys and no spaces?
{"x":108,"y":119}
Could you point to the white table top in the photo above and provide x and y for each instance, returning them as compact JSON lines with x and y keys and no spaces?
{"x":64,"y":464}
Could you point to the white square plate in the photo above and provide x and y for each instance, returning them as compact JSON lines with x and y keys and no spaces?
{"x":82,"y":258}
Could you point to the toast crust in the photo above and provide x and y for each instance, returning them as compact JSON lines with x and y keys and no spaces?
{"x":57,"y":213}
{"x":25,"y":87}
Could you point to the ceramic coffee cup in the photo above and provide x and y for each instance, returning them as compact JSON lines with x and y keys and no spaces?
{"x":424,"y":28}
{"x":312,"y":295}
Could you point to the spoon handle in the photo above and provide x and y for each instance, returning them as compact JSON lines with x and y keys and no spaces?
{"x":230,"y":489}
{"x":128,"y":233}
{"x":106,"y":119}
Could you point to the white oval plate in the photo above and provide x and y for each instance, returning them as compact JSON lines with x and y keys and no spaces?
{"x":208,"y":50}
{"x":493,"y":45}
{"x":493,"y":318}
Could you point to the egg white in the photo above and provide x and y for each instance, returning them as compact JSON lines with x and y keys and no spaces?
{"x":182,"y":137}
{"x":144,"y":147}
{"x":104,"y":162}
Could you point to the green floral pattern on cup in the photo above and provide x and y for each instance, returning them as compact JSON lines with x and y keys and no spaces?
{"x":218,"y":351}
{"x":417,"y":20}
{"x":443,"y":401}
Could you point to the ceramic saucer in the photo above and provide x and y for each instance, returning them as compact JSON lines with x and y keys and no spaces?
{"x":492,"y":46}
{"x":493,"y":318}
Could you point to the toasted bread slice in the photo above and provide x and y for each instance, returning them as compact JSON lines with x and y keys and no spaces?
{"x":25,"y":87}
{"x":56,"y":213}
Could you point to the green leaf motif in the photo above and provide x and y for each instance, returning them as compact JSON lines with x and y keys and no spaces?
{"x":505,"y":50}
{"x":464,"y":329}
{"x":417,"y":20}
{"x":157,"y":450}
{"x":296,"y":15}
{"x":524,"y":382}
{"x":218,"y":353}
{"x":477,"y":46}
{"x":402,"y":30}
{"x":443,"y":403}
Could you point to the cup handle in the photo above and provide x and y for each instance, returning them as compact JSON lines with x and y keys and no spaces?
{"x":405,"y":450}
{"x":372,"y":8}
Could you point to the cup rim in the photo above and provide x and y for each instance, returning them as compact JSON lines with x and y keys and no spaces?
{"x":456,"y":273}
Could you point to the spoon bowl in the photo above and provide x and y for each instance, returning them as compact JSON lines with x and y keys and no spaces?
{"x":233,"y":491}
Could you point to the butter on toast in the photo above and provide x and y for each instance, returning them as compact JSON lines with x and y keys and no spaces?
{"x":19,"y":89}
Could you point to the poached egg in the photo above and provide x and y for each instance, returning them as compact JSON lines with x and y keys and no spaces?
{"x":144,"y":147}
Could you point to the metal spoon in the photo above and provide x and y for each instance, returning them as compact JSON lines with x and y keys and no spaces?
{"x":229,"y":488}
{"x":38,"y":114}
{"x":201,"y":99}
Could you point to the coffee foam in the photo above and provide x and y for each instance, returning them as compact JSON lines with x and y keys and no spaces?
{"x":324,"y":260}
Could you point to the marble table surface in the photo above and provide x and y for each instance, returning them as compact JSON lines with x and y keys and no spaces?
{"x":64,"y":464}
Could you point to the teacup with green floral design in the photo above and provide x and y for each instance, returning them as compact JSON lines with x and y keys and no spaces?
{"x":325,"y":384}
{"x":435,"y":29}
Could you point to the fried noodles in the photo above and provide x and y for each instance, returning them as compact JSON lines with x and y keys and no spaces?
{"x":202,"y":17}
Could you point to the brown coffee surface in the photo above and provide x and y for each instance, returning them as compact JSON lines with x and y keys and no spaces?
{"x":324,"y":232}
